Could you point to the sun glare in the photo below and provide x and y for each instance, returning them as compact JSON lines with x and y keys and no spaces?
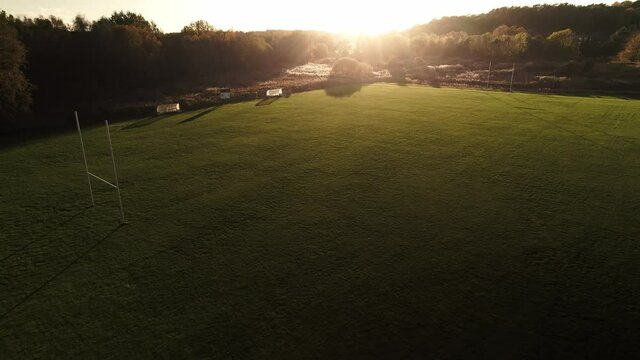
{"x":333,"y":16}
{"x":369,"y":25}
{"x":358,"y":18}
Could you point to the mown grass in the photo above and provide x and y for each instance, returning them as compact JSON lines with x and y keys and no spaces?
{"x":400,"y":222}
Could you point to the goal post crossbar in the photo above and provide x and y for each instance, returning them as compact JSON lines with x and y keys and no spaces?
{"x":103,"y":180}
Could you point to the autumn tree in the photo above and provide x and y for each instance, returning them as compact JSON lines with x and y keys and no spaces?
{"x":631,"y":51}
{"x":198,"y":28}
{"x":349,"y":69}
{"x":80,"y":24}
{"x":15,"y":94}
{"x":562,"y":44}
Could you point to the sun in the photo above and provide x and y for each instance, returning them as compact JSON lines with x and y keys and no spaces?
{"x":360,"y":26}
{"x":336,"y":16}
{"x":356,"y":18}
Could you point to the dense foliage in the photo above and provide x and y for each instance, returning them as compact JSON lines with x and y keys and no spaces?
{"x":631,"y":52}
{"x":92,"y":65}
{"x":598,"y":20}
{"x":350,"y":69}
{"x":125,"y":57}
{"x":14,"y":88}
{"x":550,"y":32}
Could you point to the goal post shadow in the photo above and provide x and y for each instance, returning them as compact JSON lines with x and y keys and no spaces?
{"x":91,"y":175}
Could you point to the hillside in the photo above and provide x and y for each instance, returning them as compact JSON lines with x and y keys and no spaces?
{"x":598,"y":20}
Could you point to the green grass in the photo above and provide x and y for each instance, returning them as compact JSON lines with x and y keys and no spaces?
{"x":400,"y":222}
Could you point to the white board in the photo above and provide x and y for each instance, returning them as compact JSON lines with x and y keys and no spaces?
{"x":274,"y":92}
{"x":168,"y":108}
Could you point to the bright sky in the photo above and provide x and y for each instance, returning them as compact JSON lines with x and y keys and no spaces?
{"x":372,"y":17}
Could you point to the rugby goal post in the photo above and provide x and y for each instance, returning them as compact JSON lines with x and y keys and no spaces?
{"x":91,"y":175}
{"x":513,"y":73}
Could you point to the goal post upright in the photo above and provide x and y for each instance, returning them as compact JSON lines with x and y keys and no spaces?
{"x":115,"y":171}
{"x":84,"y":157}
{"x":513,"y":72}
{"x":489,"y":76}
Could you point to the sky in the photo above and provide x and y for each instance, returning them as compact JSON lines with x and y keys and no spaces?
{"x":343,"y":16}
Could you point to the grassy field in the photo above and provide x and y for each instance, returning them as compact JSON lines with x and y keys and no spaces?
{"x":400,"y":223}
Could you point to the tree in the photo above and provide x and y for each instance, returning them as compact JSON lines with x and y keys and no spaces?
{"x":565,"y":37}
{"x":294,"y":48}
{"x":349,"y":69}
{"x":320,"y":51}
{"x":198,"y":28}
{"x":129,"y":19}
{"x":520,"y":44}
{"x":631,"y":51}
{"x":563,"y":44}
{"x":124,"y":50}
{"x":394,"y":47}
{"x":57,"y":23}
{"x":619,"y":39}
{"x":15,"y":94}
{"x":80,"y":24}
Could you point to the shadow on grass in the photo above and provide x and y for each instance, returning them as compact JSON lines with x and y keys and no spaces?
{"x":268,"y":101}
{"x":342,"y":90}
{"x":70,"y":219}
{"x":145,"y":122}
{"x":597,"y":94}
{"x":59,"y":273}
{"x":553,"y":124}
{"x":198,"y":115}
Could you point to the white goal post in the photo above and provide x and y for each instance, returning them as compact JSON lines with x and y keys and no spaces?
{"x":513,"y":73}
{"x":92,"y":175}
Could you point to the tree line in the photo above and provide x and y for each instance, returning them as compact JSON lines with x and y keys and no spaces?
{"x":541,"y":32}
{"x":48,"y":66}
